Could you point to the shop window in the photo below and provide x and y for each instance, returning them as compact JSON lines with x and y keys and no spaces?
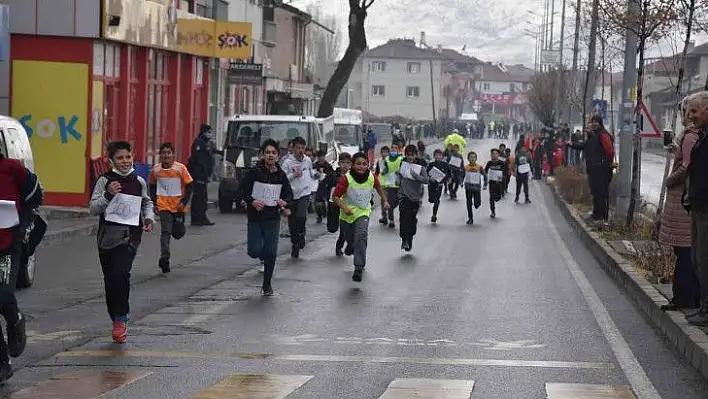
{"x":98,"y":58}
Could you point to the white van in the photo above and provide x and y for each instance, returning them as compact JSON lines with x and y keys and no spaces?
{"x":244,"y":136}
{"x":348,"y":130}
{"x":15,"y":144}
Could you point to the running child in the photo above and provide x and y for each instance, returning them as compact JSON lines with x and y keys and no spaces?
{"x":333,"y":221}
{"x":121,"y":198}
{"x":410,"y":197}
{"x":379,"y":172}
{"x":454,"y":159}
{"x":495,"y":180}
{"x":435,"y":188}
{"x":509,"y":160}
{"x":171,"y":191}
{"x":523,"y":171}
{"x":322,"y":195}
{"x":502,"y":156}
{"x":473,"y":185}
{"x":392,"y":164}
{"x":353,"y":197}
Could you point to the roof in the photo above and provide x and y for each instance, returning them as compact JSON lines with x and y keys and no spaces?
{"x":454,"y":55}
{"x":520,"y":72}
{"x":493,"y":73}
{"x":401,"y":49}
{"x":294,"y":10}
{"x":273,"y":118}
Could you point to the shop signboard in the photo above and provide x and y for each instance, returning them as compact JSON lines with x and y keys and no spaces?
{"x":250,"y":74}
{"x":219,"y":39}
{"x":57,"y":124}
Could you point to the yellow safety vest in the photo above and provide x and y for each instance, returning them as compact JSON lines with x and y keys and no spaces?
{"x":357,"y":198}
{"x":392,"y":167}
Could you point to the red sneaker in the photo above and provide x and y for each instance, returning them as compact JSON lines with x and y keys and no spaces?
{"x":119,"y":332}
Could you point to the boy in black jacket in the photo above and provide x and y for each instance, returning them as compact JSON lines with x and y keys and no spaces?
{"x":322,"y":195}
{"x":329,"y":183}
{"x":435,"y":188}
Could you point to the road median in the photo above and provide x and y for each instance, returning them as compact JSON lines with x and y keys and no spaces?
{"x":690,"y":342}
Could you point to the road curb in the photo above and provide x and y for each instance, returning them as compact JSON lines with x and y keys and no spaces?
{"x":690,"y":342}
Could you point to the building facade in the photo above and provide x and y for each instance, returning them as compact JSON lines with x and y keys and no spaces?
{"x":500,"y":91}
{"x":87,"y":72}
{"x":396,"y":79}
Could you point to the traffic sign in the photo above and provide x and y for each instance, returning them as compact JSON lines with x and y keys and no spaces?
{"x":600,"y":108}
{"x":645,"y":114}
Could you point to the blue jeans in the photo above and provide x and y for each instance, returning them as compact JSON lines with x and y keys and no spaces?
{"x":263,"y":239}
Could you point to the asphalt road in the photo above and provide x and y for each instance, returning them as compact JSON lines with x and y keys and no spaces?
{"x":508,"y":308}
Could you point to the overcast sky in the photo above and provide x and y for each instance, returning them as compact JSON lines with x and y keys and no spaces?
{"x":492,"y":30}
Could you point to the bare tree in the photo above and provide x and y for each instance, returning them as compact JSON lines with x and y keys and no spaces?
{"x":357,"y":45}
{"x":652,"y":21}
{"x":322,"y":47}
{"x":541,"y":95}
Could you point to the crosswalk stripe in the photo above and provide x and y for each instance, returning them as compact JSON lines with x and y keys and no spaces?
{"x":254,"y":386}
{"x":588,"y":391}
{"x":423,"y":388}
{"x":80,"y":385}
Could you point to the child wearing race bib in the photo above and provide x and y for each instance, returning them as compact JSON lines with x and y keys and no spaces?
{"x":322,"y":195}
{"x":353,"y":197}
{"x":474,"y":174}
{"x":392,"y":165}
{"x":410,"y":197}
{"x":495,"y":180}
{"x":121,"y":198}
{"x":522,"y":165}
{"x":330,"y":182}
{"x":435,"y":188}
{"x":454,"y":159}
{"x":171,"y":191}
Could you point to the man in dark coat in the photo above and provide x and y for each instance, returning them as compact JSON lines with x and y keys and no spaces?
{"x":201,"y":167}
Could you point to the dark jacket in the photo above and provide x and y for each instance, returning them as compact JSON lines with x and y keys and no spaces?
{"x":697,"y":181}
{"x":322,"y":193}
{"x":261,"y":174}
{"x":598,"y":150}
{"x":20,"y":185}
{"x":328,"y":184}
{"x":443,"y":167}
{"x":201,"y":159}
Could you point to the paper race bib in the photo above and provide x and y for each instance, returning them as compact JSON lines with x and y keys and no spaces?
{"x":124,"y":209}
{"x":473,"y":178}
{"x":437,"y":174}
{"x":407,"y":169}
{"x":8,"y":214}
{"x":331,"y":194}
{"x":496,"y":175}
{"x":169,"y":187}
{"x":525,"y":168}
{"x":391,"y":178}
{"x":360,"y":197}
{"x":456,"y":162}
{"x":268,"y":193}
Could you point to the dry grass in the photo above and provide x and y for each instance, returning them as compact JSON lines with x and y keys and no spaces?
{"x":572,"y":184}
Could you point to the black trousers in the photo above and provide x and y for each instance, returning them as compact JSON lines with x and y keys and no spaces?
{"x":116,"y":264}
{"x":8,"y":301}
{"x":332,"y":217}
{"x":297,"y":221}
{"x":408,"y":214}
{"x":474,"y":201}
{"x":199,"y":203}
{"x":599,"y":178}
{"x":686,"y":288}
{"x":522,"y":180}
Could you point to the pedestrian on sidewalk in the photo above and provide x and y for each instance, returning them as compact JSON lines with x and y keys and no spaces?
{"x":675,"y":230}
{"x":392,"y":164}
{"x":201,"y":167}
{"x":379,"y":172}
{"x":171,"y":190}
{"x":435,"y":188}
{"x":300,"y":172}
{"x":333,"y":221}
{"x":121,"y":198}
{"x":410,"y":197}
{"x":696,"y":201}
{"x":473,"y":185}
{"x":19,"y":189}
{"x":353,"y":197}
{"x":495,"y":180}
{"x":268,"y":194}
{"x":522,"y":169}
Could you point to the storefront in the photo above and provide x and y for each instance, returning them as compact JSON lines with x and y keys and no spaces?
{"x":74,"y":95}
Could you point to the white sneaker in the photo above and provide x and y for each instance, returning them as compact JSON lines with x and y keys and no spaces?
{"x":261,"y":269}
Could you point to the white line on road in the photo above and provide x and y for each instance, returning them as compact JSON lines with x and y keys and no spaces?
{"x":638,"y":379}
{"x":208,"y":313}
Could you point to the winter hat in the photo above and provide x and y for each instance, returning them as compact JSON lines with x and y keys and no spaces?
{"x":204,"y":128}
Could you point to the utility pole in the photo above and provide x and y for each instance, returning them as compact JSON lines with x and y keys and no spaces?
{"x":576,"y":51}
{"x":432,"y":97}
{"x":559,"y":85}
{"x":553,"y":16}
{"x":590,"y":78}
{"x":627,"y":120}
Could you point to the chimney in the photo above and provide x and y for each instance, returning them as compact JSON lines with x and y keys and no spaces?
{"x":422,"y":39}
{"x":439,"y":48}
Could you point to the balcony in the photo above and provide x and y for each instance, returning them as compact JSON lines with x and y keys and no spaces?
{"x":270,"y":31}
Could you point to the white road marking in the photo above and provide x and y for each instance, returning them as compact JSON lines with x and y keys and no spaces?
{"x":208,"y":313}
{"x":34,"y":337}
{"x":637,"y":377}
{"x":486,"y":344}
{"x":588,"y":391}
{"x":254,"y":386}
{"x":426,"y":388}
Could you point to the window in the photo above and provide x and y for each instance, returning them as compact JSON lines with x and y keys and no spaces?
{"x":378,"y":91}
{"x":414,"y":67}
{"x":512,"y":88}
{"x":486,"y":87}
{"x":378,"y":66}
{"x":412,"y":91}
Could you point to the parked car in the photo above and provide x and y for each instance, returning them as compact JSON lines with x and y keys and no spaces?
{"x":14,"y":143}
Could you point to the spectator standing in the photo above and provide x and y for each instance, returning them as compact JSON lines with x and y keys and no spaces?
{"x":201,"y":165}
